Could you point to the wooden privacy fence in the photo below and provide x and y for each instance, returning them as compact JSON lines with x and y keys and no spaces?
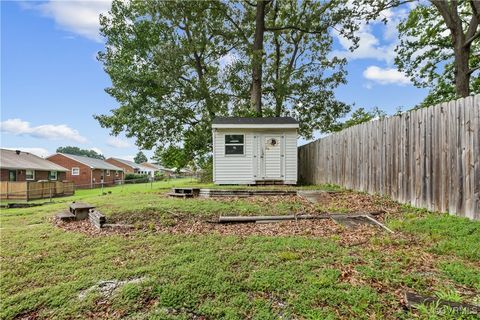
{"x":429,"y":158}
{"x":30,"y":190}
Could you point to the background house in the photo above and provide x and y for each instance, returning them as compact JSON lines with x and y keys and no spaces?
{"x":88,"y":172}
{"x":24,"y":166}
{"x":158,"y":168}
{"x":255,"y":150}
{"x":132,"y":167}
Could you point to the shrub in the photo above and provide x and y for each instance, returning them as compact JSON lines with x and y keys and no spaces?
{"x":159,"y":176}
{"x":206,"y":171}
{"x":136,"y":178}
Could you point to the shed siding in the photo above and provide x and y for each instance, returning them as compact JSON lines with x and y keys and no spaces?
{"x":241,"y":169}
{"x":233,"y":168}
{"x":291,"y":156}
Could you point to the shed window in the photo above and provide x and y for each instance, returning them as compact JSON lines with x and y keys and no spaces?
{"x":234,"y":144}
{"x":108,"y":173}
{"x":29,"y":174}
{"x":52,"y":175}
{"x":75,"y":171}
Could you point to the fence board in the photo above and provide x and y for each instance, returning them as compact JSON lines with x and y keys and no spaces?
{"x":31,"y":190}
{"x":429,"y":158}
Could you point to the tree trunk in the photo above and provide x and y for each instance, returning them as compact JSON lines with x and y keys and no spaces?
{"x":462,"y":53}
{"x":277,"y":83}
{"x":462,"y":70}
{"x":257,"y":58}
{"x":461,"y":48}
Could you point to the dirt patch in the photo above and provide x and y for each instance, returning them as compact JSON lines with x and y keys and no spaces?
{"x":107,"y":288}
{"x":188,"y":223}
{"x":325,"y":202}
{"x":307,"y":228}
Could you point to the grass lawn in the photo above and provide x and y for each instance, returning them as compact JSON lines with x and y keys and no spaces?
{"x":168,"y":272}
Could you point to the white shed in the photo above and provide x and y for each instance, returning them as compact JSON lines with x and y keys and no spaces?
{"x":255,"y":150}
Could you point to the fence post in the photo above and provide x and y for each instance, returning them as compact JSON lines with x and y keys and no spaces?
{"x":50,"y":187}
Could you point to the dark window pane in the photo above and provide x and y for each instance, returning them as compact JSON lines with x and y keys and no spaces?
{"x":233,"y":138}
{"x":233,"y":149}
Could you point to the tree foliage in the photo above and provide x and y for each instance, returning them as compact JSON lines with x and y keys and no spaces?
{"x":140,"y":157}
{"x":175,"y":65}
{"x":164,"y":61}
{"x":360,"y":116}
{"x":80,"y":152}
{"x":439,"y":45}
{"x":299,"y":74}
{"x":434,"y":51}
{"x":173,"y":157}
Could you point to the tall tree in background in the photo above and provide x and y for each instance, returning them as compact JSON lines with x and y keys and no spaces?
{"x":80,"y":152}
{"x":360,"y":116}
{"x":285,"y":51}
{"x":163,"y":58}
{"x":140,"y":157}
{"x":257,"y":56}
{"x":439,"y":47}
{"x":176,"y":65}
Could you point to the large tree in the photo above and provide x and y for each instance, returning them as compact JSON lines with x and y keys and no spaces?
{"x":140,"y":157}
{"x":176,"y":65}
{"x":283,"y":64}
{"x":163,"y":58}
{"x":80,"y":152}
{"x":439,"y":45}
{"x":295,"y":55}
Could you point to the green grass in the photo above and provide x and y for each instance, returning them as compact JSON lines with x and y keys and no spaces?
{"x":44,"y":268}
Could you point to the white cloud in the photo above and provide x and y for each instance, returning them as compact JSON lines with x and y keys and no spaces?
{"x":46,"y":131}
{"x":80,"y":17}
{"x":385,"y":75}
{"x":118,"y":143}
{"x":41,"y":152}
{"x":227,"y":59}
{"x":370,"y":46}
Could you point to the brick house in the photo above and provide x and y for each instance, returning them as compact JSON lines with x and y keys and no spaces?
{"x":16,"y":165}
{"x":88,"y":172}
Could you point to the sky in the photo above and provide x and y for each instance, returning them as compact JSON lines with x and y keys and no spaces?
{"x":52,"y":84}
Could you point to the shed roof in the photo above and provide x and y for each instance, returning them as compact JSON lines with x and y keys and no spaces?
{"x":260,"y":122}
{"x":92,"y":162}
{"x":10,"y":159}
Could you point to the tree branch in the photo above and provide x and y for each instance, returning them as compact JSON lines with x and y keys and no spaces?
{"x":290,"y":27}
{"x":442,"y":7}
{"x":473,"y":32}
{"x":239,"y":29}
{"x":471,"y":39}
{"x":473,"y":70}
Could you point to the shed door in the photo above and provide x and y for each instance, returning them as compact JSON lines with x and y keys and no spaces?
{"x":272,"y":153}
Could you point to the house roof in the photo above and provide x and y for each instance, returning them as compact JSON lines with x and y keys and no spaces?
{"x":9,"y":159}
{"x":154,"y":166}
{"x":92,"y":162}
{"x":133,"y":165}
{"x":261,"y":122}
